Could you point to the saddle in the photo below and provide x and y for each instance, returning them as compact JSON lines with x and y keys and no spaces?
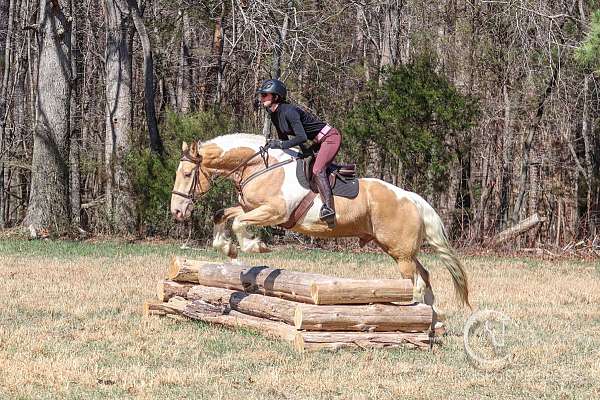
{"x":342,"y":178}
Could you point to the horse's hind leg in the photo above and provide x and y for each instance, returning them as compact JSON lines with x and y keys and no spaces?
{"x":409,"y":270}
{"x":422,"y":291}
{"x":425,"y":291}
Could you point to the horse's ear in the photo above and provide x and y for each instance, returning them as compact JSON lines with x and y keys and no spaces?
{"x":184,"y":147}
{"x":194,"y":149}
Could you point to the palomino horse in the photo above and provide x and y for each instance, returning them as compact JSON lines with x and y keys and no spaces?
{"x":397,"y":220}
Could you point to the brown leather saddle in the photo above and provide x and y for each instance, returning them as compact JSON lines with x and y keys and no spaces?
{"x":342,"y":178}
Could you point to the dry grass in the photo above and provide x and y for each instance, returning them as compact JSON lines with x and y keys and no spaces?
{"x":70,"y":328}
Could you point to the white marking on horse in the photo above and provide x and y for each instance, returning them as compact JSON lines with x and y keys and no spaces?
{"x":292,"y":192}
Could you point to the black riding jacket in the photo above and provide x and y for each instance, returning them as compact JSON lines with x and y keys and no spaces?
{"x":291,"y":120}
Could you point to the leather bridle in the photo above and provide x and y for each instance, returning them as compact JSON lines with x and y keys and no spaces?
{"x":197,"y":161}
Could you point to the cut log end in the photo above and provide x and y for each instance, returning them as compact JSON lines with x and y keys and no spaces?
{"x":174,"y":267}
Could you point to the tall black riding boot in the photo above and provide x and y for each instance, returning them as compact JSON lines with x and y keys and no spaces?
{"x":327,"y":213}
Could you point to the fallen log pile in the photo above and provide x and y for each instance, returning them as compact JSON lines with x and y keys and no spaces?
{"x":310,"y":311}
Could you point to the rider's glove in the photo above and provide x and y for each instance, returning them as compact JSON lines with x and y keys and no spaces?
{"x":273,"y":144}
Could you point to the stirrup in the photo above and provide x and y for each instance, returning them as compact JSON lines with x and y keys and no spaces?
{"x":327,"y":214}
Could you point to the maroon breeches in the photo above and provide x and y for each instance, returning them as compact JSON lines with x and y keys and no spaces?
{"x":329,"y":149}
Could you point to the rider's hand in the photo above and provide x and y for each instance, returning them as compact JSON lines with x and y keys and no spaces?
{"x":273,"y":144}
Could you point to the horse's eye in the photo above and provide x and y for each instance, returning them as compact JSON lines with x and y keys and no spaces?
{"x":187,"y":174}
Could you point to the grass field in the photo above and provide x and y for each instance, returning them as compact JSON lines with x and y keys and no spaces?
{"x":71,"y":328}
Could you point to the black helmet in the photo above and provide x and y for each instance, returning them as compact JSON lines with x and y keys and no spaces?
{"x":274,"y":86}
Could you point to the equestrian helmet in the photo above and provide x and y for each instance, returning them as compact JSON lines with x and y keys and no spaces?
{"x":274,"y":86}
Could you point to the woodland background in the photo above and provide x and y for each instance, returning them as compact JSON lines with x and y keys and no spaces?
{"x":488,"y":109}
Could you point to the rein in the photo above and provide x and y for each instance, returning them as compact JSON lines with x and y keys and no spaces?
{"x":186,"y":156}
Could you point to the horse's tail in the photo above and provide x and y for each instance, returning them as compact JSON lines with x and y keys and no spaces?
{"x":435,"y":234}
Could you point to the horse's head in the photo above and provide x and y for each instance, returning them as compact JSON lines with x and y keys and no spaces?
{"x":191,"y":180}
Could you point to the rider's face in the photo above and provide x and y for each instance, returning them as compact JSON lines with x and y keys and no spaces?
{"x":266,"y":99}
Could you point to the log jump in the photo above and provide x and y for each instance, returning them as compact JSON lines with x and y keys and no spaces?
{"x":309,"y":311}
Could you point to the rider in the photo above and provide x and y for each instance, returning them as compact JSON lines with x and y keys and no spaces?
{"x":291,"y":120}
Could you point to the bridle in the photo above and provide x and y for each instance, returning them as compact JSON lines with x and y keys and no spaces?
{"x":197,"y":161}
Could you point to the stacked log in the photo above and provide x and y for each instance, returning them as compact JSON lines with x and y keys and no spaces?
{"x":296,"y":286}
{"x":310,"y":311}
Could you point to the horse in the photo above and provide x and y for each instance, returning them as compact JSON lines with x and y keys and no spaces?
{"x":398,"y":221}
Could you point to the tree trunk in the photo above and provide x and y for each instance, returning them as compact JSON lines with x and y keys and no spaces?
{"x":184,"y":77}
{"x":7,"y":10}
{"x":588,"y":149}
{"x":448,"y":198}
{"x":387,"y":58}
{"x":119,"y":201}
{"x":5,"y":7}
{"x":374,"y":160}
{"x":507,"y":158}
{"x":16,"y":195}
{"x":49,"y":196}
{"x":278,"y":47}
{"x":213,"y":72}
{"x":363,"y":42}
{"x":156,"y":144}
{"x":481,"y":172}
{"x":389,"y":36}
{"x":75,"y":122}
{"x":518,"y":229}
{"x":376,"y":317}
{"x":528,"y":143}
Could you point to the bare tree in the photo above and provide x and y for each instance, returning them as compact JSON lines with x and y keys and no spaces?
{"x":184,"y":76}
{"x":156,"y":144}
{"x":7,"y":10}
{"x":119,"y":202}
{"x":49,"y":196}
{"x":281,"y":33}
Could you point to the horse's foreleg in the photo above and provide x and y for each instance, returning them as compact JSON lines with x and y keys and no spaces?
{"x":247,"y":243}
{"x":261,"y":216}
{"x":221,"y":241}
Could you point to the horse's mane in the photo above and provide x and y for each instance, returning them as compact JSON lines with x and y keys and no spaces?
{"x":233,"y":140}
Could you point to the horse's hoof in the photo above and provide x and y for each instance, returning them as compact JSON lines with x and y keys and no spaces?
{"x":262,"y":248}
{"x":439,"y":315}
{"x":230,"y":251}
